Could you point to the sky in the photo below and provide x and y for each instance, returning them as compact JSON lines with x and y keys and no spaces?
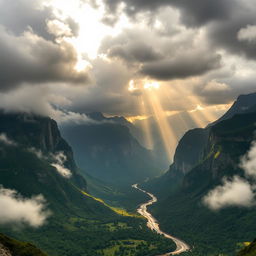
{"x":131,"y":58}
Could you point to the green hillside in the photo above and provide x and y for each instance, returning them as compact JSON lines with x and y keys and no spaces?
{"x":17,"y":248}
{"x":79,"y":224}
{"x":211,"y":232}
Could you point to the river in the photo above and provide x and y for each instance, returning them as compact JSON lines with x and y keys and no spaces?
{"x":153,"y":224}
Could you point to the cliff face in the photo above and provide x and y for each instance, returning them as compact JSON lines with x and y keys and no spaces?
{"x":33,"y":155}
{"x":34,"y":161}
{"x":195,"y":143}
{"x":40,"y":133}
{"x":213,"y":232}
{"x":228,"y":141}
{"x":190,"y":150}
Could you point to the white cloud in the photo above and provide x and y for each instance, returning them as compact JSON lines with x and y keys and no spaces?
{"x":234,"y":192}
{"x":216,"y":86}
{"x":7,"y":141}
{"x":58,"y":161}
{"x":41,"y":100}
{"x":247,"y":34}
{"x":59,"y":28}
{"x":248,"y":162}
{"x":60,"y":158}
{"x":20,"y":210}
{"x":68,"y":117}
{"x":37,"y":152}
{"x":62,"y":170}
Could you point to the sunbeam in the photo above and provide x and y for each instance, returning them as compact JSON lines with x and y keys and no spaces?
{"x":148,"y":140}
{"x":168,"y":137}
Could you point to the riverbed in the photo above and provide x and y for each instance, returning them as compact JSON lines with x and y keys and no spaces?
{"x":153,"y":224}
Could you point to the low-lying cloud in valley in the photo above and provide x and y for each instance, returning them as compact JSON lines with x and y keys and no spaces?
{"x":236,"y":191}
{"x":6,"y":140}
{"x":16,"y":209}
{"x":248,"y":162}
{"x":233,"y":192}
{"x":59,"y":160}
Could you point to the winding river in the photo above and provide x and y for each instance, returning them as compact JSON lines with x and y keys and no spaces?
{"x":153,"y":224}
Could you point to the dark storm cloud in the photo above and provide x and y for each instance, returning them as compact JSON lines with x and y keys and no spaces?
{"x":110,"y":92}
{"x":200,"y":12}
{"x":182,"y":66}
{"x":18,"y":15}
{"x":184,"y":54}
{"x":130,"y":50}
{"x":223,"y":18}
{"x":29,"y":52}
{"x":32,"y":59}
{"x":194,"y":12}
{"x":225,"y":35}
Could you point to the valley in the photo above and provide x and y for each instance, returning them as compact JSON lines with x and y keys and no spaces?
{"x":127,"y":128}
{"x":79,"y":214}
{"x":152,"y":223}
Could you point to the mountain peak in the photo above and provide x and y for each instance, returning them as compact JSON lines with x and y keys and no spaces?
{"x":98,"y":116}
{"x":243,"y":104}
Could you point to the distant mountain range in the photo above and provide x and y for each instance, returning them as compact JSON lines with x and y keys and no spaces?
{"x":207,"y":160}
{"x":107,"y":150}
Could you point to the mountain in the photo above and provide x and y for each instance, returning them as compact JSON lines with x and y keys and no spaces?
{"x":46,"y":201}
{"x":191,"y":147}
{"x":210,"y":232}
{"x":184,"y":121}
{"x":180,"y":123}
{"x":12,"y":247}
{"x":107,"y":150}
{"x":29,"y":147}
{"x":243,"y":104}
{"x":187,"y":155}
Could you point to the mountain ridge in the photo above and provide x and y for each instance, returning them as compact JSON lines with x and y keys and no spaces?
{"x":227,"y":142}
{"x":122,"y":158}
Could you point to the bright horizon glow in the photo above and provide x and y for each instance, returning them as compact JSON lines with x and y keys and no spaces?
{"x":151,"y":86}
{"x":131,"y":87}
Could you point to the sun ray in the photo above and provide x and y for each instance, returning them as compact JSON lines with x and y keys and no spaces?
{"x":168,"y":137}
{"x":200,"y":114}
{"x":148,"y":140}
